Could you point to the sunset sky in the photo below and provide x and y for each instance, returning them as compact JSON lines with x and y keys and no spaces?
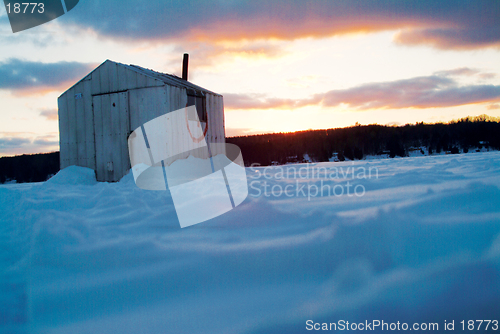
{"x":280,"y":65}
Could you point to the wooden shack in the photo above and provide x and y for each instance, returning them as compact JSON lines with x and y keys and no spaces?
{"x":99,"y":112}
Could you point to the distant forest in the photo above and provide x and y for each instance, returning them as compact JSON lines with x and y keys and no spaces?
{"x":356,"y":142}
{"x":29,"y":168}
{"x":353,"y":143}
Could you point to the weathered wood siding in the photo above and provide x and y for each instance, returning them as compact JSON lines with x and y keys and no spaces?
{"x":76,"y":126}
{"x":216,"y":128}
{"x":112,"y":77}
{"x":111,"y":121}
{"x":93,"y":133}
{"x":147,"y":104}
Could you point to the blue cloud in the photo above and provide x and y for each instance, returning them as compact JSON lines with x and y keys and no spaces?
{"x":50,"y":114}
{"x":13,"y":142}
{"x":26,"y":143}
{"x":20,"y":75}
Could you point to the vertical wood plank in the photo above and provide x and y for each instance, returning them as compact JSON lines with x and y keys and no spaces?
{"x":98,"y":126}
{"x":141,"y":80}
{"x":63,"y":130}
{"x":142,"y":108}
{"x":179,"y":127}
{"x":124,"y":132}
{"x":134,"y":109}
{"x":80,"y":126}
{"x":107,"y":144}
{"x":210,"y":121}
{"x":223,"y":119}
{"x":73,"y":148}
{"x":96,"y":81}
{"x":218,"y":124}
{"x":122,"y":77}
{"x":214,"y":123}
{"x":170,"y":102}
{"x":170,"y":107}
{"x":89,"y":125}
{"x":131,"y":79}
{"x":113,"y":133}
{"x":148,"y":105}
{"x":104,"y":77}
{"x":113,"y":77}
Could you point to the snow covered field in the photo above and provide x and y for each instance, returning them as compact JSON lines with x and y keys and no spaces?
{"x":415,"y":241}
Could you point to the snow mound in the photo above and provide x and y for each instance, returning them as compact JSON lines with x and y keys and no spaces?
{"x":409,"y":240}
{"x":74,"y":175}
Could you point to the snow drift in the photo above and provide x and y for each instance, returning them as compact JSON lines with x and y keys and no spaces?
{"x":422,"y":244}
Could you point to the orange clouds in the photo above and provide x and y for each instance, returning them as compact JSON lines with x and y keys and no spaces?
{"x":260,"y":101}
{"x":448,"y":24}
{"x":205,"y":54}
{"x":438,"y":90}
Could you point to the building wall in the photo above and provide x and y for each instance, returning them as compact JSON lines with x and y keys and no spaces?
{"x":216,"y":127}
{"x":76,"y":117}
{"x":111,"y":127}
{"x":150,"y":103}
{"x":146,"y":99}
{"x":76,"y":126}
{"x":112,"y":77}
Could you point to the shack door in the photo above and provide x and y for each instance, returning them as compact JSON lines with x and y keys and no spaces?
{"x":112,"y":126}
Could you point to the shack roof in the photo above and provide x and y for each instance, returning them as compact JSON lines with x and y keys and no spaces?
{"x":169,"y":79}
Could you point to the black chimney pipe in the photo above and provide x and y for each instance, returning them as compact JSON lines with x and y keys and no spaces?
{"x":185,"y":61}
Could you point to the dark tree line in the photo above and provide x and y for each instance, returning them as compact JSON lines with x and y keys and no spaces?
{"x":353,"y":143}
{"x":356,"y":142}
{"x":29,"y":168}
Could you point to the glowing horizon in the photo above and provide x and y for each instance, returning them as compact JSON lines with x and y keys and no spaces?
{"x":280,"y":69}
